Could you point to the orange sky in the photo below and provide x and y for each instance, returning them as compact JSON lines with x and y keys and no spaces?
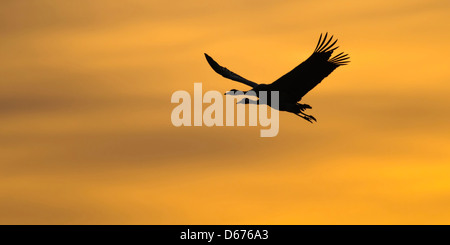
{"x":86,"y":136}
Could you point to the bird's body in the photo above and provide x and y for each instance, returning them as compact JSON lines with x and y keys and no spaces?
{"x":295,"y":84}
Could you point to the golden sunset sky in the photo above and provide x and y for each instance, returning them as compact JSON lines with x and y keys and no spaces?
{"x":86,"y":135}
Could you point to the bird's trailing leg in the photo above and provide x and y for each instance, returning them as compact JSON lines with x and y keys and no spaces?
{"x":247,"y":101}
{"x":307,"y":117}
{"x":235,"y":92}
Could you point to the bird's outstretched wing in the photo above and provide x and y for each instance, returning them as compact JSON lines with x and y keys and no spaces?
{"x":312,"y":71}
{"x":227,"y":73}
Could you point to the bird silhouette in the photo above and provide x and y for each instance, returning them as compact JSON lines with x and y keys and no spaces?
{"x":295,"y":84}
